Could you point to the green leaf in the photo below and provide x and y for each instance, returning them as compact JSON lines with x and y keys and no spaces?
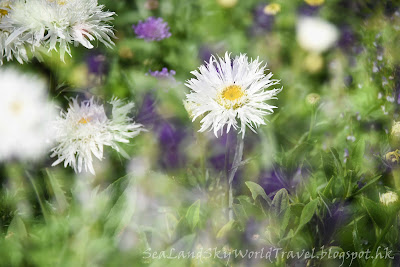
{"x":357,"y":155}
{"x":307,"y":213}
{"x":371,"y":182}
{"x":376,"y":212}
{"x":328,"y":164}
{"x":256,"y":190}
{"x":193,"y":214}
{"x":280,"y":202}
{"x":225,"y":229}
{"x":17,"y":228}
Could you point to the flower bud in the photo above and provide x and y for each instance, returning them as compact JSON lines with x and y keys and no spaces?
{"x":313,"y":99}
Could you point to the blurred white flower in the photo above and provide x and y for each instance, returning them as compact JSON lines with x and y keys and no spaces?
{"x":315,"y":34}
{"x":49,"y":23}
{"x":84,"y":129}
{"x":228,"y":91}
{"x":25,"y":114}
{"x":388,"y":198}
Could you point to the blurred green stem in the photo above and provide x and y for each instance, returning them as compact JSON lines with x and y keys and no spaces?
{"x":237,"y":159}
{"x":313,"y":118}
{"x":41,"y":202}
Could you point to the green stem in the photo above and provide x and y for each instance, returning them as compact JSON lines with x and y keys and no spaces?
{"x":41,"y":202}
{"x":237,"y":159}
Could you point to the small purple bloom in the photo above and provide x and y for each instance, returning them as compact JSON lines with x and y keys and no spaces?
{"x":97,"y":63}
{"x":262,"y":21}
{"x":153,"y":29}
{"x":164,"y":73}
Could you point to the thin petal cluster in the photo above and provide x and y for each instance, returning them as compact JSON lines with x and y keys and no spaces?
{"x":25,"y":116}
{"x":231,"y":93}
{"x":153,"y":29}
{"x":84,"y":129}
{"x":35,"y":25}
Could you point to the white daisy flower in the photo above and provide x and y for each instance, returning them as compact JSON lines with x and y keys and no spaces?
{"x":52,"y":23}
{"x":231,"y":92}
{"x":25,"y":116}
{"x":315,"y":34}
{"x":84,"y":129}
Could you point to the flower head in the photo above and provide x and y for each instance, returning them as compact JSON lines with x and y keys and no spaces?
{"x":388,"y":198}
{"x":164,"y":73}
{"x":272,"y":9}
{"x":25,"y":114}
{"x":231,"y":93}
{"x":48,"y":23}
{"x":85,"y":129}
{"x":153,"y":29}
{"x":315,"y":34}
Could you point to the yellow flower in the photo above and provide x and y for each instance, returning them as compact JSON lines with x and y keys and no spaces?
{"x":393,"y":157}
{"x":314,"y":2}
{"x":272,"y":9}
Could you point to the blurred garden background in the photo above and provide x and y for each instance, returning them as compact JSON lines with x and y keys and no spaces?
{"x":322,"y":174}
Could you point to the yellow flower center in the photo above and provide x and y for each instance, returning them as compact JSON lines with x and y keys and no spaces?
{"x":84,"y":120}
{"x":16,"y":107}
{"x":232,"y":93}
{"x":272,"y":9}
{"x":3,"y":12}
{"x":232,"y":96}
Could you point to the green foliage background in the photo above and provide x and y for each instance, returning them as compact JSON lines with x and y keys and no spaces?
{"x":51,"y":217}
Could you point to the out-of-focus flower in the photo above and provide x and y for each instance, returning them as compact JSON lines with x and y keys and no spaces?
{"x":388,"y":198}
{"x":84,"y":129}
{"x":313,"y":98}
{"x":314,"y":2}
{"x":227,"y":3}
{"x":393,"y":157}
{"x":38,"y":23}
{"x":97,"y":64}
{"x":262,"y":21}
{"x":272,"y":9}
{"x":170,"y":137}
{"x":314,"y":62}
{"x":395,"y":134}
{"x":315,"y":34}
{"x":163,"y":74}
{"x":151,"y":4}
{"x":25,"y":116}
{"x":153,"y":29}
{"x":226,"y":91}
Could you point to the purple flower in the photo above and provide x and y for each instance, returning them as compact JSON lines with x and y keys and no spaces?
{"x":97,"y":63}
{"x":171,"y":139}
{"x":164,"y":73}
{"x":153,"y":29}
{"x":262,"y":22}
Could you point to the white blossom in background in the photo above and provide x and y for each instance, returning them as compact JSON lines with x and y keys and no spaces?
{"x":232,"y":93}
{"x":84,"y":129}
{"x":388,"y":198}
{"x":54,"y":25}
{"x":316,"y":35}
{"x":25,"y":116}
